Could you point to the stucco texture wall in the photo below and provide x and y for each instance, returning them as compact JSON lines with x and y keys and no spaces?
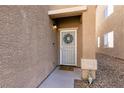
{"x":89,"y":32}
{"x":115,"y":22}
{"x":100,"y":15}
{"x":27,"y":53}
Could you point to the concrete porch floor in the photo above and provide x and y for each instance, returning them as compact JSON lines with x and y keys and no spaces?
{"x":61,"y":79}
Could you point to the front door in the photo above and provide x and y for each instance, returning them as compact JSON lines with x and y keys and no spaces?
{"x":68,"y":47}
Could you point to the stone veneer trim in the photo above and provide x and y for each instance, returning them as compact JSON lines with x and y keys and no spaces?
{"x":89,"y":64}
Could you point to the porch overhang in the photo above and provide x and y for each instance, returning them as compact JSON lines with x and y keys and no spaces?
{"x":66,"y":12}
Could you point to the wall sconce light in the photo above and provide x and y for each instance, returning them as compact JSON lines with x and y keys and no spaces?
{"x":54,"y":25}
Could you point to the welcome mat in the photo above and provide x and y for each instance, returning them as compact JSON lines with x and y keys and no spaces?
{"x":67,"y":68}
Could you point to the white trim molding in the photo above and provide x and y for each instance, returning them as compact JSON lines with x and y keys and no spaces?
{"x":75,"y":28}
{"x":77,"y":10}
{"x":89,"y":64}
{"x":66,"y":10}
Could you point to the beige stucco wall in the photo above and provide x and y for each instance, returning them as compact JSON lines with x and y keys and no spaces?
{"x":100,"y":16}
{"x":88,"y":35}
{"x":71,"y":22}
{"x":27,"y":53}
{"x":88,"y":61}
{"x":114,"y":23}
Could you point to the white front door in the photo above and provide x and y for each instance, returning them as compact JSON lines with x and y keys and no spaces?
{"x":68,"y":47}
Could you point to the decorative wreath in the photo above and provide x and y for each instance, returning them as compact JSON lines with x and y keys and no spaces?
{"x":68,"y":38}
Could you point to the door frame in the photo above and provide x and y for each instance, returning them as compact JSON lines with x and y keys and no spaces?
{"x":68,"y":30}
